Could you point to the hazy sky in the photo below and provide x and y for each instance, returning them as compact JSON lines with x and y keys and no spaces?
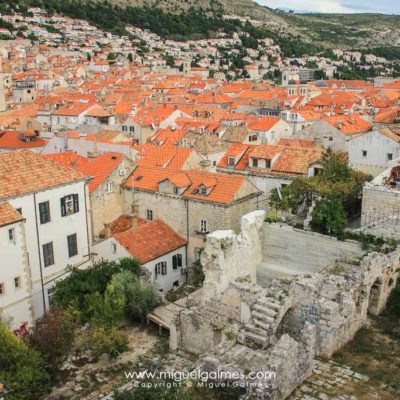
{"x":340,"y":6}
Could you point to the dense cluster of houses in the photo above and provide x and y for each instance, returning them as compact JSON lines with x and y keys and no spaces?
{"x":105,"y":158}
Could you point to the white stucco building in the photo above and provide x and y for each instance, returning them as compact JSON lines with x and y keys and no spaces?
{"x":156,"y":245}
{"x":372,"y":152}
{"x":53,"y":200}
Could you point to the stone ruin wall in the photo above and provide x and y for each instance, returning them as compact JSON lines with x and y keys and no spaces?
{"x":233,"y":323}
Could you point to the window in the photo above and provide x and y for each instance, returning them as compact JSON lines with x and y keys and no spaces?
{"x":69,"y":205}
{"x":203,"y":191}
{"x":330,"y":138}
{"x":44,"y":212}
{"x":267,"y":163}
{"x":389,"y":156}
{"x":114,"y":248}
{"x":253,"y":138}
{"x":50,"y":296}
{"x":255,"y":162}
{"x":214,"y":163}
{"x":176,"y":190}
{"x":11,"y":235}
{"x":17,"y":282}
{"x":48,"y":254}
{"x":231,"y":161}
{"x":124,"y":128}
{"x":203,"y":226}
{"x":161,"y":268}
{"x":149,"y":215}
{"x":2,"y":290}
{"x":176,"y":261}
{"x":72,"y":245}
{"x":364,"y":153}
{"x":131,"y":129}
{"x":110,"y":187}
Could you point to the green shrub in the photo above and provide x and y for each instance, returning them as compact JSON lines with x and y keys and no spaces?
{"x":109,"y":341}
{"x":141,"y":298}
{"x":21,"y":367}
{"x":107,"y":310}
{"x":74,"y":289}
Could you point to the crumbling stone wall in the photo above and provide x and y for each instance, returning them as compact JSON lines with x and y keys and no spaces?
{"x":284,"y":324}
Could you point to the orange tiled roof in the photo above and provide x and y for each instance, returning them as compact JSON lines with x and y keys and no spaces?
{"x":225,"y":191}
{"x":172,"y":157}
{"x":12,"y":140}
{"x":150,"y":241}
{"x":9,"y":215}
{"x":99,"y":167}
{"x":307,"y":143}
{"x":25,"y":172}
{"x":288,"y":159}
{"x":388,"y":115}
{"x":122,"y":224}
{"x":349,"y":125}
{"x":263,"y":124}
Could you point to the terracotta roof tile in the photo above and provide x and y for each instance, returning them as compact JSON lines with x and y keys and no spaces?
{"x":150,"y":241}
{"x":25,"y":172}
{"x":100,"y":167}
{"x":9,"y":215}
{"x":225,"y":190}
{"x":12,"y":140}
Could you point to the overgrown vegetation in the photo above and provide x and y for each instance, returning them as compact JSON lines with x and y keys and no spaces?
{"x":22,"y":367}
{"x":336,"y":189}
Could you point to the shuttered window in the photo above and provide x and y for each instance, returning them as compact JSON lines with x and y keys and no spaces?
{"x":69,"y":205}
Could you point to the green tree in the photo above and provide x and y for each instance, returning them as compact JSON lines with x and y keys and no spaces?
{"x":141,"y":297}
{"x":329,"y":216}
{"x":107,"y":340}
{"x":74,"y":289}
{"x":21,"y":367}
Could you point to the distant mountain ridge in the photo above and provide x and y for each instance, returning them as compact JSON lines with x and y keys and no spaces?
{"x":182,"y":19}
{"x":345,"y":30}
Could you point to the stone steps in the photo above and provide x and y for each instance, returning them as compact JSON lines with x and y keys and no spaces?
{"x":265,"y":326}
{"x":254,"y":337}
{"x":261,"y":316}
{"x":265,"y":309}
{"x":269,"y":302}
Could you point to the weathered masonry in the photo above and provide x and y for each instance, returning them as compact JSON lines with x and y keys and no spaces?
{"x":253,"y":313}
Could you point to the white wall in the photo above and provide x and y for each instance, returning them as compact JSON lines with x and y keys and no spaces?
{"x":165,"y":283}
{"x":15,"y":302}
{"x":377,"y":146}
{"x":55,"y":231}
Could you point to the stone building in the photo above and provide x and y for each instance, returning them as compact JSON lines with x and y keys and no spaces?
{"x":237,"y":322}
{"x":380,"y":212}
{"x":271,"y":166}
{"x":108,"y":172}
{"x":193,"y":202}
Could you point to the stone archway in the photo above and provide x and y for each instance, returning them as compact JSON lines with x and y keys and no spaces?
{"x":374,"y":296}
{"x":289,"y":324}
